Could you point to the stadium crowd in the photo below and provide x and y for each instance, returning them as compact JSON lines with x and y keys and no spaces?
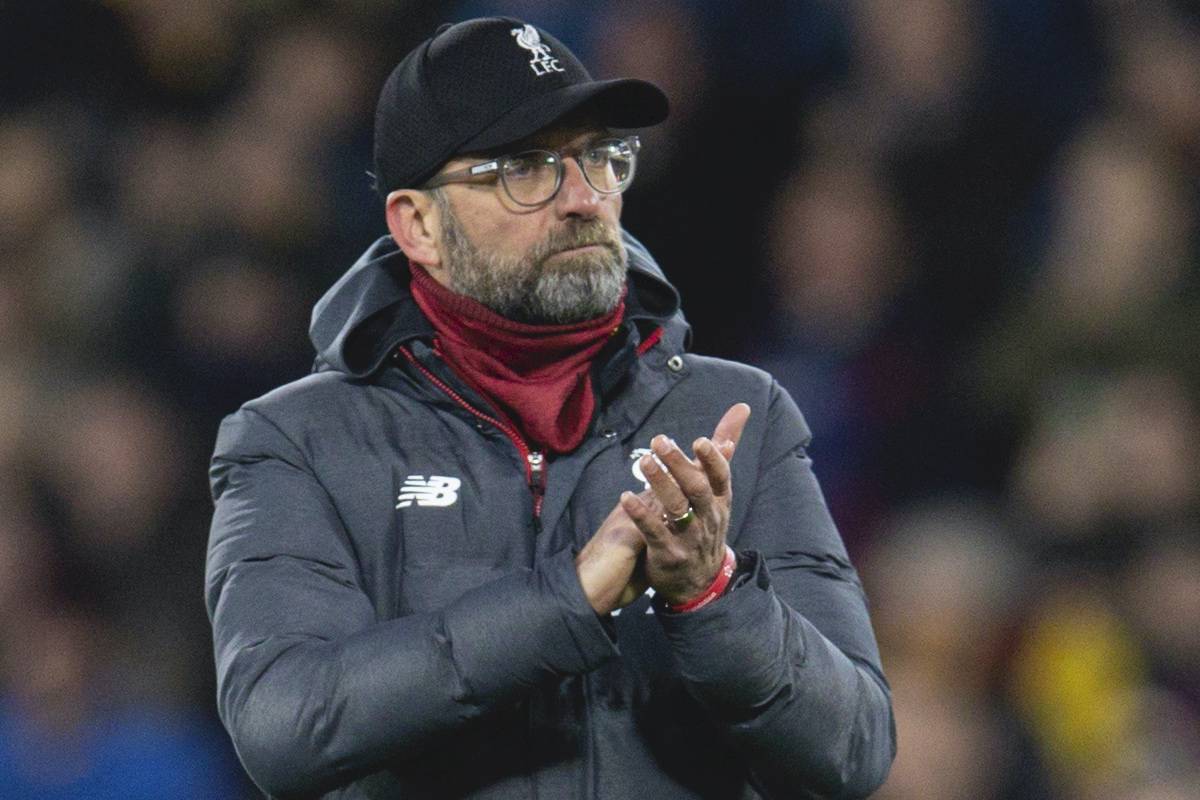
{"x":963,"y":234}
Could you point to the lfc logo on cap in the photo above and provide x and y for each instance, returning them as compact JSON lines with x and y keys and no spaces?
{"x":543,"y":62}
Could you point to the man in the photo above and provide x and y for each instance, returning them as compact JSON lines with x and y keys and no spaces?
{"x":466,"y":557}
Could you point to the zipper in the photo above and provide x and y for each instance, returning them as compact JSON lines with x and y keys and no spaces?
{"x":537,"y":484}
{"x":535,"y":461}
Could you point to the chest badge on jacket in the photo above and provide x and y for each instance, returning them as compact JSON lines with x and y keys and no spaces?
{"x":437,"y":490}
{"x":636,"y":458}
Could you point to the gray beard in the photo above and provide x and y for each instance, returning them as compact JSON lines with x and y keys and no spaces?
{"x":574,"y":288}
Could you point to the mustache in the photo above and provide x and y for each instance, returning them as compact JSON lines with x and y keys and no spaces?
{"x":579,"y":233}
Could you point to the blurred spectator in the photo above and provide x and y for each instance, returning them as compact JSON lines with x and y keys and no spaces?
{"x":1117,"y":279}
{"x":837,"y":259}
{"x":1114,"y":289}
{"x":33,"y":180}
{"x":111,"y":463}
{"x":660,"y":43}
{"x":1157,"y":77}
{"x":1076,"y":679}
{"x":61,"y":738}
{"x":160,"y":177}
{"x":917,"y":67}
{"x":1160,"y":592}
{"x":1082,"y":681}
{"x":233,"y":329}
{"x":1109,"y":457}
{"x":1122,"y":233}
{"x":952,"y":747}
{"x":947,"y":582}
{"x":836,"y":340}
{"x":185,"y":46}
{"x":946,"y":586}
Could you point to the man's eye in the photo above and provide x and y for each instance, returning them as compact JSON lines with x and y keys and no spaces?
{"x":601,"y":155}
{"x":526,"y":168}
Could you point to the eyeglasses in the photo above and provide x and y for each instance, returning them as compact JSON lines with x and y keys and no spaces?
{"x":533,"y":177}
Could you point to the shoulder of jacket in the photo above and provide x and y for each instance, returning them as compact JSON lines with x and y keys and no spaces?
{"x":294,"y":417}
{"x":726,"y":373}
{"x":312,"y":393}
{"x":319,"y":400}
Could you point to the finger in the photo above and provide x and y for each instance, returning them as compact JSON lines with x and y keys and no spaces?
{"x":729,"y":429}
{"x":715,"y":464}
{"x":688,"y":475}
{"x":647,"y":517}
{"x":674,"y":502}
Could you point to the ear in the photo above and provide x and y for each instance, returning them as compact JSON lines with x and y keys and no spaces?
{"x":412,"y":219}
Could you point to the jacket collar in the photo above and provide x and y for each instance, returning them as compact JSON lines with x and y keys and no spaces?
{"x":369,"y":311}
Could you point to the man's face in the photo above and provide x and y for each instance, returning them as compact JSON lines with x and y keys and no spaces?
{"x":560,"y":262}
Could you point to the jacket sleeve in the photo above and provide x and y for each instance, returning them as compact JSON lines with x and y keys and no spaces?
{"x":313,"y":687}
{"x":787,"y":661}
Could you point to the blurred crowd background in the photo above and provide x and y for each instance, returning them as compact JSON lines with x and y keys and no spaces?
{"x":963,"y":233}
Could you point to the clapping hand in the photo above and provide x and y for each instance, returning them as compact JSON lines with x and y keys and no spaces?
{"x":684,"y":515}
{"x":679,"y":523}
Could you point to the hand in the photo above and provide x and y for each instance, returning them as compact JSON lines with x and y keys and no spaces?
{"x":681,"y":561}
{"x":608,"y":566}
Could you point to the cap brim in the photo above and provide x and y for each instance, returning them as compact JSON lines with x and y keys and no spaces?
{"x":618,"y":103}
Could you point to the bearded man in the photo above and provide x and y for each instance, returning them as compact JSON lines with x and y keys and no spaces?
{"x":466,"y":557}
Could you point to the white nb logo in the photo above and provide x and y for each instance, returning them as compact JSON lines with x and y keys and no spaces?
{"x":543,"y":61}
{"x":438,"y":490}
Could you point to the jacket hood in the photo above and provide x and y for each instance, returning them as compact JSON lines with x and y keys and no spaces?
{"x":370,"y":311}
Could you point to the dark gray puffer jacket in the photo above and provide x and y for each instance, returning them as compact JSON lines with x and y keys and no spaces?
{"x":396,"y":613}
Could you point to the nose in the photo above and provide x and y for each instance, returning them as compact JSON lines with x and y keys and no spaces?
{"x":576,"y":197}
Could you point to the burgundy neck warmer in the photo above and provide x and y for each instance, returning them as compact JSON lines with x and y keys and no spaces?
{"x":538,"y":376}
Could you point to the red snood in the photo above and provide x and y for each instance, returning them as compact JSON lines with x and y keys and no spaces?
{"x":538,"y":376}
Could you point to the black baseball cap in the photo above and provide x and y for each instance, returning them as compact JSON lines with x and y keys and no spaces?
{"x":484,"y":83}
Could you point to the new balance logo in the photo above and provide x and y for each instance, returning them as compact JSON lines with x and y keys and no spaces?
{"x":438,"y":490}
